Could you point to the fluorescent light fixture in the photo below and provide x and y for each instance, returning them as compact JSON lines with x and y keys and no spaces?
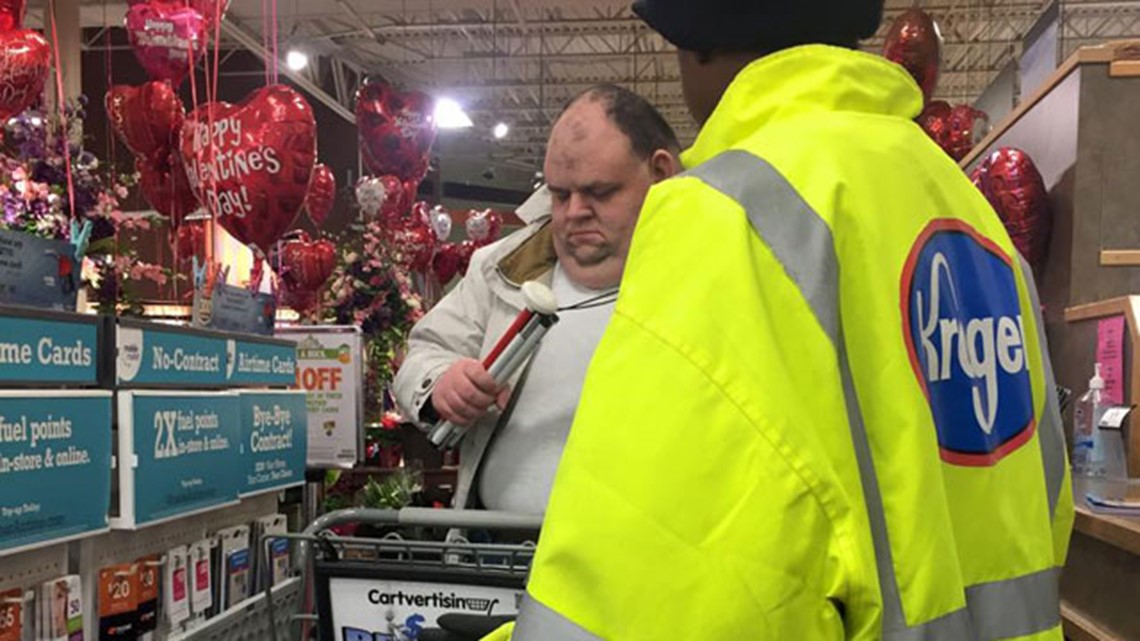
{"x":296,"y":60}
{"x":501,"y":130}
{"x":450,"y":115}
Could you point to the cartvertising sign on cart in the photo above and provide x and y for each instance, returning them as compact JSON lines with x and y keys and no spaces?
{"x":51,"y":443}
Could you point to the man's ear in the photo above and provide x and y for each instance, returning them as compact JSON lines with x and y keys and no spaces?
{"x":663,"y":164}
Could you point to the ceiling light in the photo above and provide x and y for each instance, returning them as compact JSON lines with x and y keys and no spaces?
{"x":450,"y":115}
{"x":296,"y":60}
{"x":501,"y":130}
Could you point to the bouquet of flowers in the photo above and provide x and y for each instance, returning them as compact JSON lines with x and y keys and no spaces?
{"x":371,"y":291}
{"x":34,"y":193}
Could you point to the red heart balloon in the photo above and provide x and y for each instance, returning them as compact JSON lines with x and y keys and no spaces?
{"x":913,"y":41}
{"x":250,"y":163}
{"x":11,"y":14}
{"x":396,"y":130}
{"x":484,"y":226}
{"x":302,"y":301}
{"x":933,"y":121}
{"x":1010,"y":181}
{"x":305,"y":264}
{"x":965,"y":127}
{"x":212,"y":11}
{"x":446,"y":261}
{"x":412,"y":242}
{"x":167,"y":40}
{"x":146,"y":118}
{"x":166,"y":188}
{"x":322,"y":194}
{"x":189,"y":240}
{"x":25,"y":59}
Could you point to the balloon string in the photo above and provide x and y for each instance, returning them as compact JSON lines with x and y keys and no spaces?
{"x":273,"y":4}
{"x":108,"y":65}
{"x":62,"y":111}
{"x":265,"y":35}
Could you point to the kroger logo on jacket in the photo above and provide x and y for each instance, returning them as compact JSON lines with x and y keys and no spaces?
{"x":966,"y":338}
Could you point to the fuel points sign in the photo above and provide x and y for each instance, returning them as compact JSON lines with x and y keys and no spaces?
{"x":330,"y":370}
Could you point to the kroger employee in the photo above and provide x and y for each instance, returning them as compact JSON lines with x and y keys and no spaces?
{"x":605,"y":151}
{"x":835,"y":420}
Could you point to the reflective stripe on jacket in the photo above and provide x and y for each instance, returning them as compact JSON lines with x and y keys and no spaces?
{"x":823,"y":408}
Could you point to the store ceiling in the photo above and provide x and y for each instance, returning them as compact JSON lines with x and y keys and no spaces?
{"x":517,"y":61}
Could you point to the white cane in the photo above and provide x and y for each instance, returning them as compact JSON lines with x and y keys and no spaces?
{"x":513,"y":349}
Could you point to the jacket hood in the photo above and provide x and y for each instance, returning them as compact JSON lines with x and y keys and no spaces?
{"x":798,"y":81}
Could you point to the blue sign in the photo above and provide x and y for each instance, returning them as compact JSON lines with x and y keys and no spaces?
{"x":53,"y":444}
{"x":275,"y":435}
{"x":38,"y":351}
{"x":256,"y":363}
{"x":964,"y":331}
{"x":153,"y":356}
{"x":188,"y":449}
{"x":38,"y":272}
{"x":235,"y":309}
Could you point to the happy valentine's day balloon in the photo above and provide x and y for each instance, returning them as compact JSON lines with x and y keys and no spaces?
{"x":412,"y":242}
{"x":146,"y":118}
{"x":167,"y":40}
{"x":396,"y":130}
{"x":25,"y":59}
{"x":913,"y":41}
{"x":1010,"y":181}
{"x":250,"y":163}
{"x":322,"y":194}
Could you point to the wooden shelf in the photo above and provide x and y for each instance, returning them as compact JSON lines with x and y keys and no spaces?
{"x":1078,"y":627}
{"x":1119,"y":531}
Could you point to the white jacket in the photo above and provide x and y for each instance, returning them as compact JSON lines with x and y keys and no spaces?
{"x":469,"y":320}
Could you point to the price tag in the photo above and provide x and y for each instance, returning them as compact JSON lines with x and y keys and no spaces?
{"x":1114,"y":417}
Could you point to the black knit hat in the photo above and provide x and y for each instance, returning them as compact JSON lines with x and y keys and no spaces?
{"x":760,"y":25}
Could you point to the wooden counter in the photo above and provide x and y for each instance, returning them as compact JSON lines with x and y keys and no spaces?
{"x":1099,"y":584}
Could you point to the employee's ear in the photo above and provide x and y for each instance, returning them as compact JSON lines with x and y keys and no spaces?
{"x":663,"y":164}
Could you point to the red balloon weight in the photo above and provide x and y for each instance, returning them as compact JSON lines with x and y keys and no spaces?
{"x":166,"y":188}
{"x":307,"y":264}
{"x":484,"y":226}
{"x":167,"y":39}
{"x":25,"y":59}
{"x":913,"y":42}
{"x":413,"y":242}
{"x":189,"y":240}
{"x":396,"y":130}
{"x":146,"y":118}
{"x":252,"y":167}
{"x":11,"y":14}
{"x":1011,"y":182}
{"x":322,"y":194}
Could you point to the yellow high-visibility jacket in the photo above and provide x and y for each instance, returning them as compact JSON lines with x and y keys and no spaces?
{"x":824,"y":407}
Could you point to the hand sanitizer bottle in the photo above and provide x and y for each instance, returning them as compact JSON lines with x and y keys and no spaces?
{"x":1088,"y":446}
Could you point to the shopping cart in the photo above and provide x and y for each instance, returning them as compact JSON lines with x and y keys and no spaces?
{"x":395,"y":588}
